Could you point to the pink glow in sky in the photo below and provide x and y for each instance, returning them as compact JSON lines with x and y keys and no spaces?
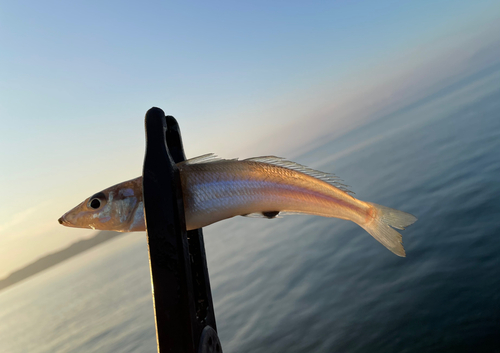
{"x":241,"y":78}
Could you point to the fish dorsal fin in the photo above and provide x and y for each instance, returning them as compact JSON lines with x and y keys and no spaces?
{"x":206,"y":158}
{"x":331,"y":179}
{"x":277,"y":161}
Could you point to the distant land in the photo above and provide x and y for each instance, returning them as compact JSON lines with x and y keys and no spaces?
{"x":57,"y":257}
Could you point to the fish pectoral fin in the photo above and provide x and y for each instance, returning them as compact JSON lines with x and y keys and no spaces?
{"x":270,"y":214}
{"x":266,"y":214}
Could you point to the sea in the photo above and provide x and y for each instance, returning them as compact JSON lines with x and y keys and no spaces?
{"x":312,"y":284}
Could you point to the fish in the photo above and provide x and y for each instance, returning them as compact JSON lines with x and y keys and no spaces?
{"x":214,"y":189}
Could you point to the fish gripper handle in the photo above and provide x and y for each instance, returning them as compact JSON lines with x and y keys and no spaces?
{"x":182,"y":298}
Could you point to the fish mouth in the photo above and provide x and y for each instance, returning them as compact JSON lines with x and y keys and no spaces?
{"x":62,"y":221}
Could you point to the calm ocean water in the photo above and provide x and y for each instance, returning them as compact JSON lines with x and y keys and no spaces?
{"x":309,"y":284}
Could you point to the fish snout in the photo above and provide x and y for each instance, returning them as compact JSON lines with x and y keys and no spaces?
{"x":63,"y":221}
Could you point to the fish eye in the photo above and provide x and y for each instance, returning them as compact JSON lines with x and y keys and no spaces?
{"x":96,"y":201}
{"x":95,"y":204}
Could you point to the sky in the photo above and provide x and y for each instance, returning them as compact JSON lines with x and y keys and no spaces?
{"x":242,"y":78}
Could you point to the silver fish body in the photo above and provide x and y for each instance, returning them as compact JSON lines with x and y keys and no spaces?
{"x":224,"y":189}
{"x":215,"y":189}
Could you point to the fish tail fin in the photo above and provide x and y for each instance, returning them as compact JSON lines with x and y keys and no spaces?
{"x":380,"y":227}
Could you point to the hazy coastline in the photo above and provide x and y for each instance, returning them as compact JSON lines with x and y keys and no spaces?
{"x":55,"y":258}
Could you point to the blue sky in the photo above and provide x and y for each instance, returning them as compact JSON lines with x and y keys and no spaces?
{"x":77,"y":77}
